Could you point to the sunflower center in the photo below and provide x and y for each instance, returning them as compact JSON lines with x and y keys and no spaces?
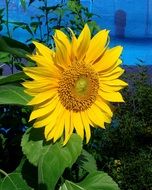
{"x":78,"y":87}
{"x":81,"y":86}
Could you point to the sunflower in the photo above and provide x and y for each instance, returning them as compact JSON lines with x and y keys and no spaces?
{"x":74,"y":85}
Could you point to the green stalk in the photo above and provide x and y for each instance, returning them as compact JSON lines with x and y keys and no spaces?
{"x":40,"y":28}
{"x":47,"y":20}
{"x":7,"y":17}
{"x":3,"y":172}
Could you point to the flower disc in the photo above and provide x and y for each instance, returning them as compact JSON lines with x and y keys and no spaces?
{"x":78,"y":87}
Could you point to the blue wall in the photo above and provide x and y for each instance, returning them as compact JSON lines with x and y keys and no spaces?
{"x":137,"y":19}
{"x":129,"y":19}
{"x":138,"y":15}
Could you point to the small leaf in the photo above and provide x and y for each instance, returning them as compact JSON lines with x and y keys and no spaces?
{"x":12,"y":94}
{"x":95,"y":181}
{"x":56,"y":158}
{"x":22,"y":25}
{"x":4,"y":57}
{"x":13,"y":181}
{"x":17,"y":77}
{"x":35,"y":25}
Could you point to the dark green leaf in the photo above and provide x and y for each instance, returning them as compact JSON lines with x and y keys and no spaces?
{"x":14,"y":47}
{"x":17,"y":77}
{"x":12,"y":94}
{"x":29,"y":173}
{"x":35,"y":25}
{"x":4,"y":57}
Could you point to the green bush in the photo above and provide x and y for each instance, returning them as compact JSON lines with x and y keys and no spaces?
{"x":124,"y":148}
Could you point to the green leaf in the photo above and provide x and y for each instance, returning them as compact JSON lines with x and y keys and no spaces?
{"x":95,"y":181}
{"x":88,"y":162}
{"x":14,"y":47}
{"x":35,"y":25}
{"x":13,"y":181}
{"x":56,"y":158}
{"x":22,"y":25}
{"x":12,"y":94}
{"x":32,"y":144}
{"x":4,"y":57}
{"x":17,"y":77}
{"x":99,"y":180}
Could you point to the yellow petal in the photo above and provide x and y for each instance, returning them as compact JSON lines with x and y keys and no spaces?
{"x":45,"y":110}
{"x":42,"y":61}
{"x":101,"y":114}
{"x":50,"y":117}
{"x":107,"y":88}
{"x":83,"y":42}
{"x":103,"y":105}
{"x":95,"y":118}
{"x":61,"y":57}
{"x":37,"y":74}
{"x":40,"y":86}
{"x":68,"y":126}
{"x":59,"y":128}
{"x":108,"y":60}
{"x":51,"y":134}
{"x":78,"y":125}
{"x":116,"y":73}
{"x":60,"y":35}
{"x":43,"y":50}
{"x":111,"y":96}
{"x":42,"y":97}
{"x":97,"y":46}
{"x":86,"y":125}
{"x":57,"y":124}
{"x":74,"y":46}
{"x":48,"y":129}
{"x":116,"y":82}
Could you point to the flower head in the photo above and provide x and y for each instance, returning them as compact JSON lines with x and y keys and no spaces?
{"x":73,"y":85}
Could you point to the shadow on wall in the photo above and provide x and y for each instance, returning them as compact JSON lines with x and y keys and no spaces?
{"x":120,"y":23}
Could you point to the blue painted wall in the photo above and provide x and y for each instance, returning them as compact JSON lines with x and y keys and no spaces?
{"x":137,"y":21}
{"x":129,"y":19}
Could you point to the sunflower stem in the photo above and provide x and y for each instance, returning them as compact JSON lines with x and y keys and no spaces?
{"x":47,"y":20}
{"x":7,"y":17}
